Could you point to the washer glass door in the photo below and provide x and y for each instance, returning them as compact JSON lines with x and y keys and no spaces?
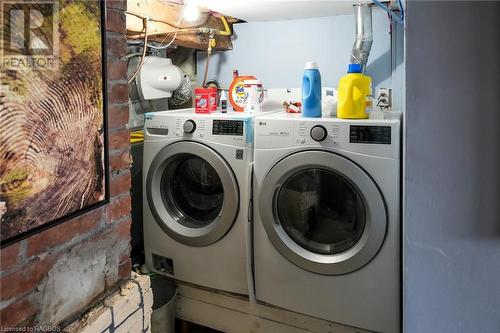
{"x":323,"y":212}
{"x":192,"y":193}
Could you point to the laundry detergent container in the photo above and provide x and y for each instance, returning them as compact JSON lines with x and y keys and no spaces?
{"x":352,"y":94}
{"x":311,"y":91}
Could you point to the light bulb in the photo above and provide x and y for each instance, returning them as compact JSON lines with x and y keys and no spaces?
{"x":191,"y":12}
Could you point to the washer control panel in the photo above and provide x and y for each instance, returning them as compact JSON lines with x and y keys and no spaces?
{"x":309,"y":132}
{"x":318,"y":133}
{"x":227,"y":127}
{"x":189,"y":126}
{"x":370,"y":134}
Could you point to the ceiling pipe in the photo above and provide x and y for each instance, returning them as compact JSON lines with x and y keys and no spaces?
{"x":364,"y":34}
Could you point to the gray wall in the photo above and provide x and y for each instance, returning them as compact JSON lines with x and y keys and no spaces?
{"x":452,"y":208}
{"x":276,"y":51}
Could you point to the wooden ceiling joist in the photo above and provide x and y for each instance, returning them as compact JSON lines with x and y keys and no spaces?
{"x":163,"y":18}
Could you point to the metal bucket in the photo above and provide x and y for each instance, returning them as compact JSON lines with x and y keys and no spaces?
{"x":164,"y":295}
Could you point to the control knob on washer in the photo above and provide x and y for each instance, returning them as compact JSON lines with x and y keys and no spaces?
{"x":189,"y":126}
{"x":318,"y":133}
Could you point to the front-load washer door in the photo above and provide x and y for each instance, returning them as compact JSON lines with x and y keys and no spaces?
{"x":323,"y":212}
{"x":192,"y":193}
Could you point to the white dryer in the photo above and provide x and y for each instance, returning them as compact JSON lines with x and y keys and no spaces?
{"x":327,"y":218}
{"x":197,"y":183}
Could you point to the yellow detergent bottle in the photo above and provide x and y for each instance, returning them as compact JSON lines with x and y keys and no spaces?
{"x":352,"y":94}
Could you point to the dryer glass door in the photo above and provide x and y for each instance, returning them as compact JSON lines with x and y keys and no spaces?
{"x":323,"y":212}
{"x":192,"y":193}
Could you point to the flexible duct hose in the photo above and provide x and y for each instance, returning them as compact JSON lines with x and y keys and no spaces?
{"x":364,"y":34}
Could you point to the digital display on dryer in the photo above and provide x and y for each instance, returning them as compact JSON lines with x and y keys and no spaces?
{"x":370,"y":134}
{"x":227,"y":127}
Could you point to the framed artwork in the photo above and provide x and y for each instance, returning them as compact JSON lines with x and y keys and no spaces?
{"x":53,"y":134}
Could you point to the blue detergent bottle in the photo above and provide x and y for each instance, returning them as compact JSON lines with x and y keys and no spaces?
{"x":311,"y":91}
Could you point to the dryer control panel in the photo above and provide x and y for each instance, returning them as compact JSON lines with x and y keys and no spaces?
{"x":364,"y":136}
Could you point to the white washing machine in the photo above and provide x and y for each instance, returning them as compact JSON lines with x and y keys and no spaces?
{"x":197,"y":185}
{"x":327,"y":218}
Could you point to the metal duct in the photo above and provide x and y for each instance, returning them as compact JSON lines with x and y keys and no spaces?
{"x":364,"y":34}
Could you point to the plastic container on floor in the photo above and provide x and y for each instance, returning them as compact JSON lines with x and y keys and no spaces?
{"x":164,"y":295}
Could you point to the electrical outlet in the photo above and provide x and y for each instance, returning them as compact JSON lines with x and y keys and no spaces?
{"x":163,"y":264}
{"x":383,"y":99}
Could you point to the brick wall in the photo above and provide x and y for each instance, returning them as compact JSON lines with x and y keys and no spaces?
{"x":125,"y":311}
{"x":53,"y":276}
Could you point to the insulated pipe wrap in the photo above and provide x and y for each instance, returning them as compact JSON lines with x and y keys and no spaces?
{"x":364,"y":34}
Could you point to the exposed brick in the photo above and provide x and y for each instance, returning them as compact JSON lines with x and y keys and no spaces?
{"x":116,"y":45}
{"x":126,"y":310}
{"x":117,"y":116}
{"x":98,"y":319}
{"x":9,"y":256}
{"x":122,"y":229}
{"x":118,"y":93}
{"x":16,"y":313}
{"x":25,"y":279}
{"x":117,"y":69}
{"x":100,"y":237}
{"x":124,"y":257}
{"x":116,"y":4}
{"x":120,"y":184}
{"x":125,"y":269}
{"x":21,"y":280}
{"x":115,"y":21}
{"x":120,"y":160}
{"x":119,"y":139}
{"x":63,"y":232}
{"x":119,"y":208}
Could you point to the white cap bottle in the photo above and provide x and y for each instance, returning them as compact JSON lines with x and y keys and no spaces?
{"x":311,"y":65}
{"x":223,"y":102}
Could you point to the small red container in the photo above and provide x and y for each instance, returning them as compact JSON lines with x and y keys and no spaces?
{"x":205,"y":100}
